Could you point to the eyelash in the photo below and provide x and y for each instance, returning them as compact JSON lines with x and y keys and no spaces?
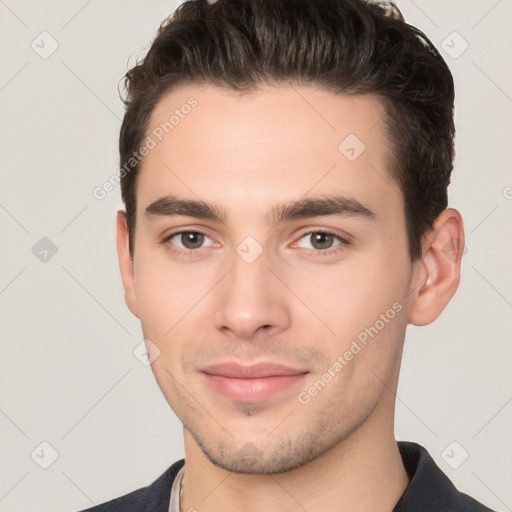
{"x":316,"y":252}
{"x":344,"y":243}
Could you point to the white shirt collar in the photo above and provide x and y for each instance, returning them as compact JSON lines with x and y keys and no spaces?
{"x":174,"y":504}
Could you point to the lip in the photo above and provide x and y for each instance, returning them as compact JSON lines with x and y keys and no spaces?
{"x":254,"y":383}
{"x":254,"y":371}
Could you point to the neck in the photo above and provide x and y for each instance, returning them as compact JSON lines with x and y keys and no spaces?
{"x":363,"y":472}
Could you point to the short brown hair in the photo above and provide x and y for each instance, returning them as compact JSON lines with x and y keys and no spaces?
{"x":342,"y":46}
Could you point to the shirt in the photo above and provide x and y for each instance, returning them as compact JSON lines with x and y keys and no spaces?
{"x":429,"y":489}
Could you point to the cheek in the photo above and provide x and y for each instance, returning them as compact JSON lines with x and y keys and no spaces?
{"x":360,"y":300}
{"x":165,"y":292}
{"x":154,"y":299}
{"x":171,"y":303}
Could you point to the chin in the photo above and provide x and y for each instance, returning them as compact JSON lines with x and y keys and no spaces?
{"x":263,"y":458}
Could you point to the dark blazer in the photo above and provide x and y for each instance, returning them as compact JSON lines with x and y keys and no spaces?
{"x":429,"y":490}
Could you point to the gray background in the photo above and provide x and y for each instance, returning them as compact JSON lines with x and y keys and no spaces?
{"x":68,"y":375}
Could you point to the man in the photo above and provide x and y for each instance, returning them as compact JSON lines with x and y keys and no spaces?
{"x":285,"y":167}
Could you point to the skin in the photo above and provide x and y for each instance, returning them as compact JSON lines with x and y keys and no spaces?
{"x":291,"y":305}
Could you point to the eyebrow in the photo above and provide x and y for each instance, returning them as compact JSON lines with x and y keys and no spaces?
{"x":171,"y":205}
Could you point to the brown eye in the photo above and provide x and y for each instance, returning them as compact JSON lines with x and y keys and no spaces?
{"x":321,"y":240}
{"x":191,"y":239}
{"x":187,"y":241}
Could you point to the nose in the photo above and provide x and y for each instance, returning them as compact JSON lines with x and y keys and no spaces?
{"x":251,"y":299}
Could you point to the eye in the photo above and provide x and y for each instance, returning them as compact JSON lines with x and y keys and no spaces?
{"x":186,"y":241}
{"x":321,"y":241}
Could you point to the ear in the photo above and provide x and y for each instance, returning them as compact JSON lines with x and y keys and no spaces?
{"x":126,"y":262}
{"x":437,"y":273}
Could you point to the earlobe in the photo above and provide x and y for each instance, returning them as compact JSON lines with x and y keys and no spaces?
{"x":438,"y":270}
{"x":125,"y":262}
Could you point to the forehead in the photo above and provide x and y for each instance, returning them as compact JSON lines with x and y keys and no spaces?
{"x":283,"y":114}
{"x":269,"y":146}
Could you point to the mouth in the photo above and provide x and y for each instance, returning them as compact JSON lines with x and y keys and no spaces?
{"x":254,"y":383}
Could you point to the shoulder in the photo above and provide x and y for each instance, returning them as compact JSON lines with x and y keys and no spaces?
{"x":465,"y":502}
{"x":152,"y":498}
{"x":429,"y":488}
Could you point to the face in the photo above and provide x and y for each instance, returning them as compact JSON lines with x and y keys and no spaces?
{"x":271,"y":270}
